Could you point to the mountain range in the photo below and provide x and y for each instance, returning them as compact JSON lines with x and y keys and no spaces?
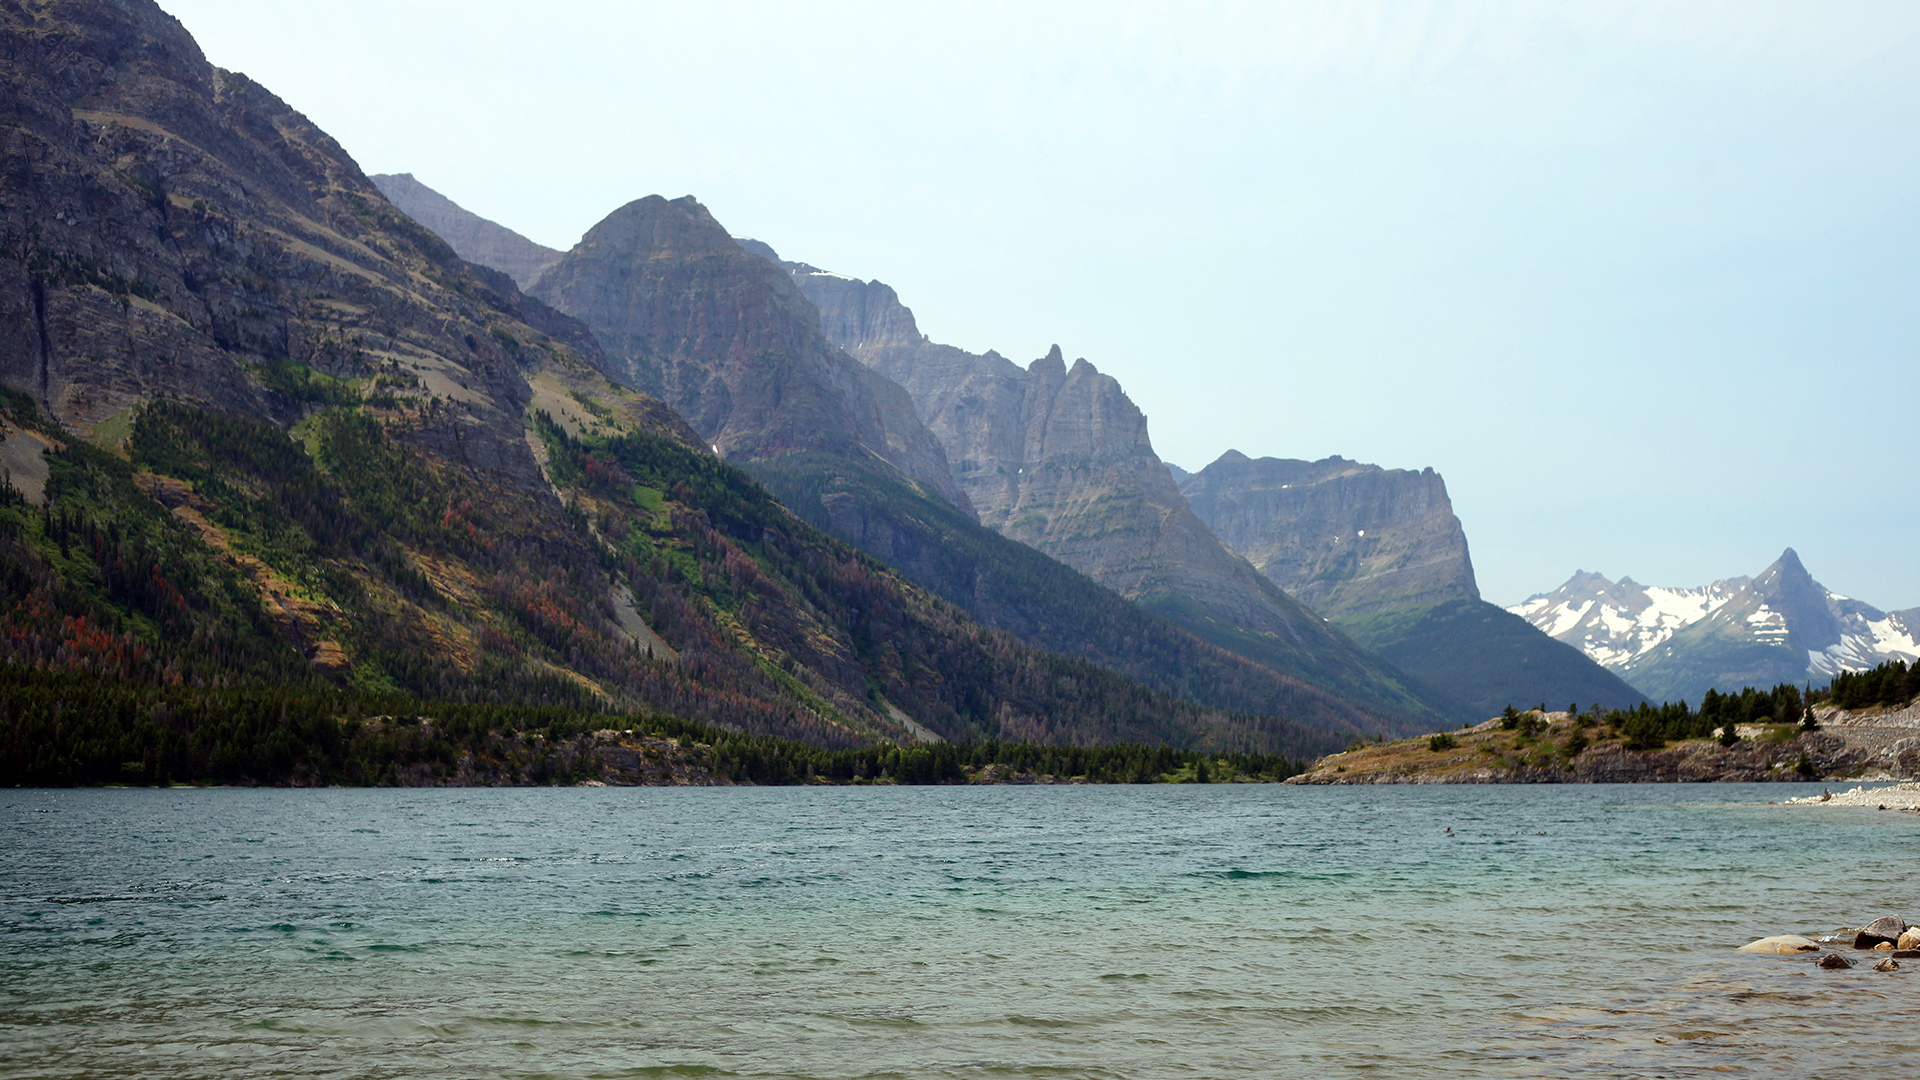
{"x":1058,"y":458}
{"x":262,"y":427}
{"x":1780,"y":626}
{"x":269,"y":419}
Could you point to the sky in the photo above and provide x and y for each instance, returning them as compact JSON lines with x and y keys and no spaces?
{"x":1640,"y":280}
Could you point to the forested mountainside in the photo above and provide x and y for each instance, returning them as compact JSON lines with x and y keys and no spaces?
{"x":1779,"y":626}
{"x":1382,"y":554}
{"x":262,"y":427}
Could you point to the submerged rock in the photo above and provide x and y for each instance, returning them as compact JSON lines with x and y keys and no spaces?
{"x":1889,"y":964}
{"x":1835,"y":960}
{"x":1781,"y":944}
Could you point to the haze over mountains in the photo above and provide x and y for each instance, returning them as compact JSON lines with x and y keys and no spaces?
{"x":1059,"y":458}
{"x":282,"y":435}
{"x":1779,"y":626}
{"x":358,"y":459}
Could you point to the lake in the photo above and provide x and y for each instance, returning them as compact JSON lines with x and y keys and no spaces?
{"x":1137,"y":932}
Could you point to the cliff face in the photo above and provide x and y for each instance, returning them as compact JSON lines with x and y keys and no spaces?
{"x":170,"y":227}
{"x":1346,"y":538}
{"x":1380,"y":552}
{"x":471,"y":236}
{"x":1058,"y":457}
{"x":728,"y":340}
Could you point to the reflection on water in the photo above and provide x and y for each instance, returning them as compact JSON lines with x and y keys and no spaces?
{"x":1076,"y":932}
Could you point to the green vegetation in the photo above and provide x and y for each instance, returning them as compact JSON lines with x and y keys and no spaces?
{"x":62,"y":729}
{"x":1649,"y":727}
{"x":1890,"y":684}
{"x":301,"y":383}
{"x":716,"y":548}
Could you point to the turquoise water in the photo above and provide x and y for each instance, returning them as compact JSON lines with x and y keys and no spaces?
{"x":1134,"y":932}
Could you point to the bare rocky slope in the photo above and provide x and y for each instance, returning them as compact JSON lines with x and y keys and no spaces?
{"x":471,"y":236}
{"x":683,"y":313}
{"x":1382,"y":554}
{"x":1346,"y":538}
{"x":1058,"y":457}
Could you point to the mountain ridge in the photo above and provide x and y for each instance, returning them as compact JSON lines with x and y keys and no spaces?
{"x":1778,"y":626}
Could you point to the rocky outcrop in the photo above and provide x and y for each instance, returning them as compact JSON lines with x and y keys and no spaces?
{"x":729,"y":341}
{"x":1562,"y":748}
{"x":471,"y":236}
{"x":167,"y":228}
{"x":1781,"y":945}
{"x":1058,"y":457}
{"x":1346,"y":538}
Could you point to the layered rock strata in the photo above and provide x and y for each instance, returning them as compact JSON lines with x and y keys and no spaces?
{"x":728,"y":340}
{"x":1346,"y":538}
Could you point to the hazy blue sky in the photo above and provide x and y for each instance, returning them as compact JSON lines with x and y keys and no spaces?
{"x":1642,"y":280}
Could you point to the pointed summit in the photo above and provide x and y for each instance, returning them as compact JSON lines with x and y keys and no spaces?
{"x":1053,"y":364}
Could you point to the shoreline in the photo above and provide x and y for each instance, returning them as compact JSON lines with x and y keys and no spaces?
{"x":1902,"y":795}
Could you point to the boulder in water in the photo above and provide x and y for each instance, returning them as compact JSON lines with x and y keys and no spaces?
{"x":1909,"y":940}
{"x":1886,"y":928}
{"x":1889,"y":964}
{"x":1835,"y":960}
{"x":1781,"y":944}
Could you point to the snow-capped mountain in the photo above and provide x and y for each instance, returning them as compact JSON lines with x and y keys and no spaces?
{"x":1781,"y":626}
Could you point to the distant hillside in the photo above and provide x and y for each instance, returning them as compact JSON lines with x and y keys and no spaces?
{"x":1780,"y":626}
{"x":471,"y":236}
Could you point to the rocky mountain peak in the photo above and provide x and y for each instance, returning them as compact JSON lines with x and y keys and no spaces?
{"x":1346,"y":538}
{"x":725,"y":336}
{"x":1780,"y":626}
{"x":1051,"y":366}
{"x":657,"y":227}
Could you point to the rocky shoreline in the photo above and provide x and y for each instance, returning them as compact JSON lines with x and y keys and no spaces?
{"x":1861,"y":745}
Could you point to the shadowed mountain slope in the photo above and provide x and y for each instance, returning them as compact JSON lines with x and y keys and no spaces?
{"x":1381,"y":553}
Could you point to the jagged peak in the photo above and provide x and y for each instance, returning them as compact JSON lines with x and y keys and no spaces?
{"x":1054,"y":364}
{"x":1231,"y":457}
{"x":1082,"y":366}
